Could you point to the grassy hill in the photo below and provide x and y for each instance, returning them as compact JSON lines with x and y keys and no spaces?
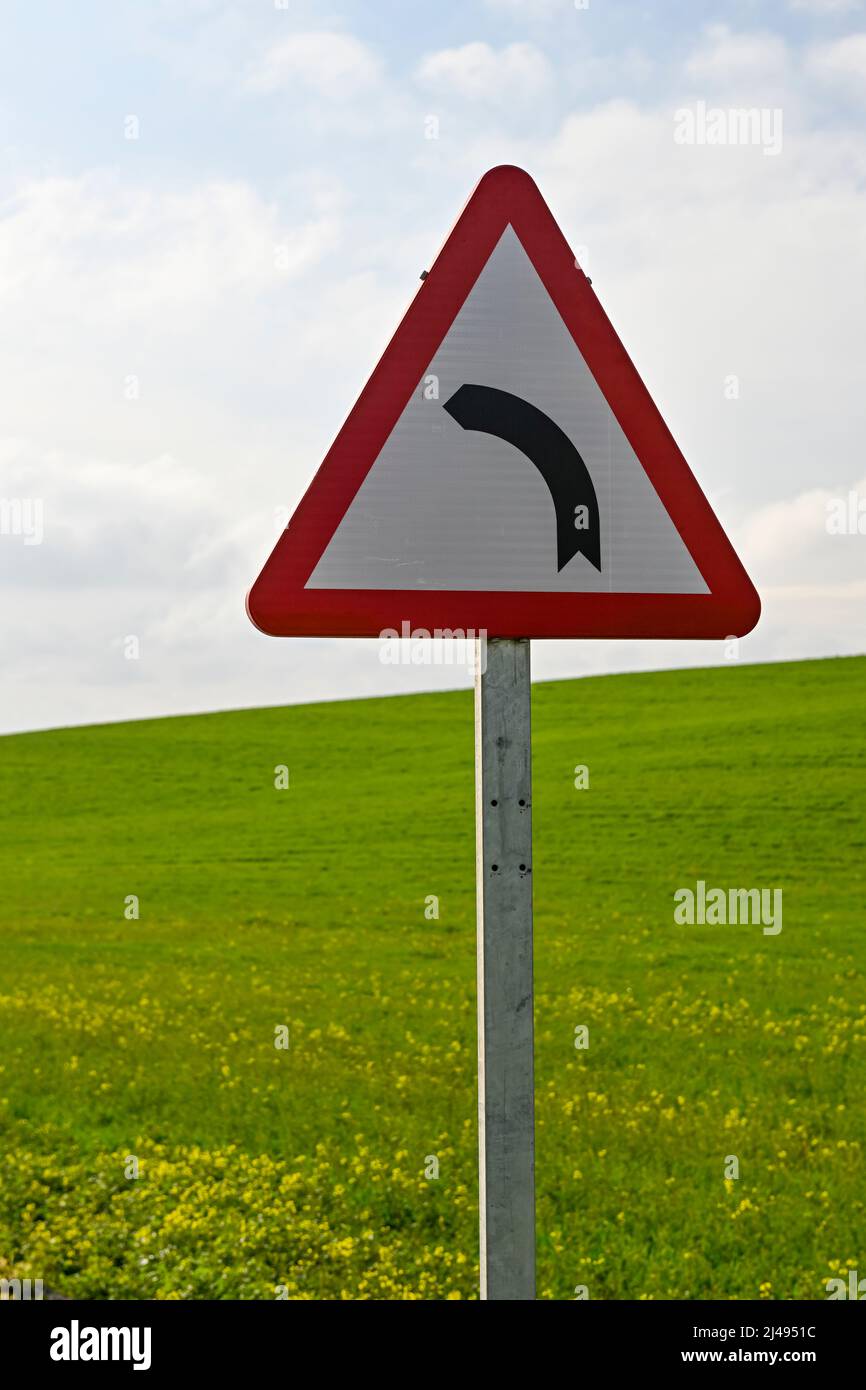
{"x":153,"y":1038}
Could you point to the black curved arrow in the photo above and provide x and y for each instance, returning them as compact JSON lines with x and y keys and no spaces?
{"x":557,"y":460}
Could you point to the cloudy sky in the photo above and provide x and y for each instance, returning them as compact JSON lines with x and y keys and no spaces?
{"x":214,"y":212}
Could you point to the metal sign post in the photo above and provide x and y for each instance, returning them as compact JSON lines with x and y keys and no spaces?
{"x":504,"y":470}
{"x":506,"y":1090}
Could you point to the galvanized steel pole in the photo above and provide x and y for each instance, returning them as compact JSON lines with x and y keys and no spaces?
{"x":506,"y":1091}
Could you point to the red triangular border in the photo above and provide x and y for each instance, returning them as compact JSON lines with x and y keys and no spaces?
{"x":279,"y":604}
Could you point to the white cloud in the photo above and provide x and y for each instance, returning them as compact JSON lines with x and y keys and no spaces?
{"x":825,"y":7}
{"x":142,"y":321}
{"x":532,"y":9}
{"x":842,"y":62}
{"x":788,"y":543}
{"x":478,"y":72}
{"x":133,"y":250}
{"x":106,"y":522}
{"x":811,"y":581}
{"x":724,"y":56}
{"x":338,"y":67}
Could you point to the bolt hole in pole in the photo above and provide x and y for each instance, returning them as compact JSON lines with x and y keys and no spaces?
{"x":506,"y":1096}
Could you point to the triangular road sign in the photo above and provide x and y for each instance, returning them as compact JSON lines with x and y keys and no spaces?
{"x":504,"y":469}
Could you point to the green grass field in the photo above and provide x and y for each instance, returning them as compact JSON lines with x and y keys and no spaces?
{"x":304,"y":1169}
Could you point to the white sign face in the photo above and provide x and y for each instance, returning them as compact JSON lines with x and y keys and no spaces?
{"x":453,"y":506}
{"x":505,"y":469}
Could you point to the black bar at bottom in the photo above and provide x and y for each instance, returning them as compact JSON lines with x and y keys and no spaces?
{"x":226,"y":1338}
